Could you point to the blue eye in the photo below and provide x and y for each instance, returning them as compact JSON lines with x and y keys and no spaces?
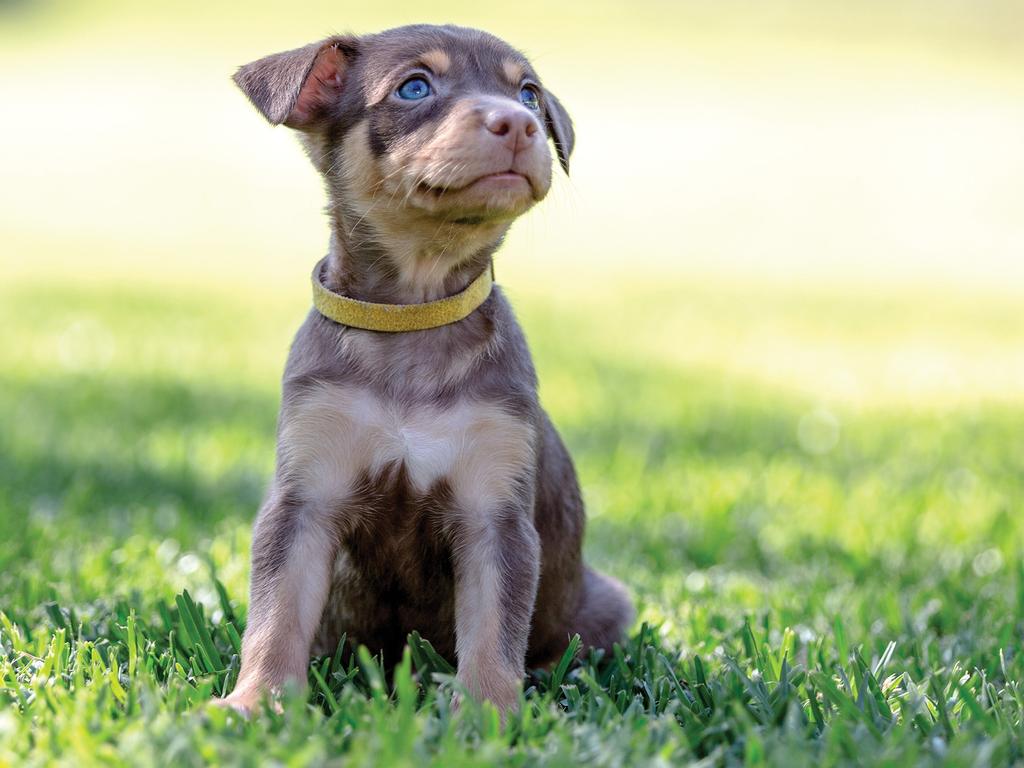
{"x":414,"y":89}
{"x":530,"y":98}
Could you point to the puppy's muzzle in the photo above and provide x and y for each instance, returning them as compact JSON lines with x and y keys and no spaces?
{"x":490,"y":147}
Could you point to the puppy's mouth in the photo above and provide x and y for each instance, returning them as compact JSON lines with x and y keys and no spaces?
{"x":500,"y":181}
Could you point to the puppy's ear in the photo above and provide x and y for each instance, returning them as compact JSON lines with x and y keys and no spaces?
{"x":297,"y":87}
{"x":559,"y":126}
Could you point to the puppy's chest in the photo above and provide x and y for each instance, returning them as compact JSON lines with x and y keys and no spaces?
{"x":337,"y":439}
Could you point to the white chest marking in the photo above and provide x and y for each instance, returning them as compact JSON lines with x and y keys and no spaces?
{"x":336,"y":434}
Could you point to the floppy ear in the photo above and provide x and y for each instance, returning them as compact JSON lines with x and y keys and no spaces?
{"x":559,"y":126}
{"x":297,"y":87}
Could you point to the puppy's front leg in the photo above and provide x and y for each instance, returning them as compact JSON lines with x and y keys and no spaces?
{"x":292,"y":556}
{"x":497,"y":566}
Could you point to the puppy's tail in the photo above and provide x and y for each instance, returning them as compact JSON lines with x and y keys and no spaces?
{"x":606,"y":612}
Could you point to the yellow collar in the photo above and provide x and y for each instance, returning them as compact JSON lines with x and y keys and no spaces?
{"x":394,"y":318}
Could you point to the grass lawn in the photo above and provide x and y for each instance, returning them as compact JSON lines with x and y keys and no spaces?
{"x":827,"y":571}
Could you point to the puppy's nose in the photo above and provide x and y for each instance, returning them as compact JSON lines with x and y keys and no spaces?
{"x":516,"y":126}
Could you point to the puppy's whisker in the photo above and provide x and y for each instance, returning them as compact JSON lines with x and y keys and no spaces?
{"x":376,"y":187}
{"x":419,"y":179}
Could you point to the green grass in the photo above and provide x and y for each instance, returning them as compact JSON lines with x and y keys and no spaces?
{"x":821,"y":579}
{"x":815,"y":493}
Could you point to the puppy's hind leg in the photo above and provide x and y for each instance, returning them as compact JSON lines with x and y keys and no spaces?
{"x":292,"y":555}
{"x":605,"y":613}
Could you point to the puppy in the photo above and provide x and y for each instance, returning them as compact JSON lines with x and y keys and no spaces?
{"x":419,"y":484}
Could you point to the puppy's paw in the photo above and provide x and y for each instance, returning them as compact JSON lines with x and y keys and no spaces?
{"x":245,"y":702}
{"x":500,"y":688}
{"x":240,"y":704}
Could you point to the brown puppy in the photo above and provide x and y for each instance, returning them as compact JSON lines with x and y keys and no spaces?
{"x":419,"y":484}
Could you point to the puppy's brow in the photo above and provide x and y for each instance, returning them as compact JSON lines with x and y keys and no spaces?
{"x":437,"y":61}
{"x":514,"y":71}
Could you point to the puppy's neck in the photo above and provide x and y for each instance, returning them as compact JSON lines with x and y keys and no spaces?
{"x":410,"y":262}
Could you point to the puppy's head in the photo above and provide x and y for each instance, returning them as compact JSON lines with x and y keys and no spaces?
{"x":432,"y":124}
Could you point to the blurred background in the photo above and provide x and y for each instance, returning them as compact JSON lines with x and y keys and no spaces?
{"x":739,"y":151}
{"x":776,"y":309}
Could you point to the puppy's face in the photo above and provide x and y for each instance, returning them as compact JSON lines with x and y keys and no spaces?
{"x":441,"y":124}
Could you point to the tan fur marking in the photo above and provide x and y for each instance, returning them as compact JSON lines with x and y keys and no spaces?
{"x":496,"y":450}
{"x":513,"y":71}
{"x":360,"y":168}
{"x":336,"y":433}
{"x":332,"y":436}
{"x":437,"y":60}
{"x":423,"y":249}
